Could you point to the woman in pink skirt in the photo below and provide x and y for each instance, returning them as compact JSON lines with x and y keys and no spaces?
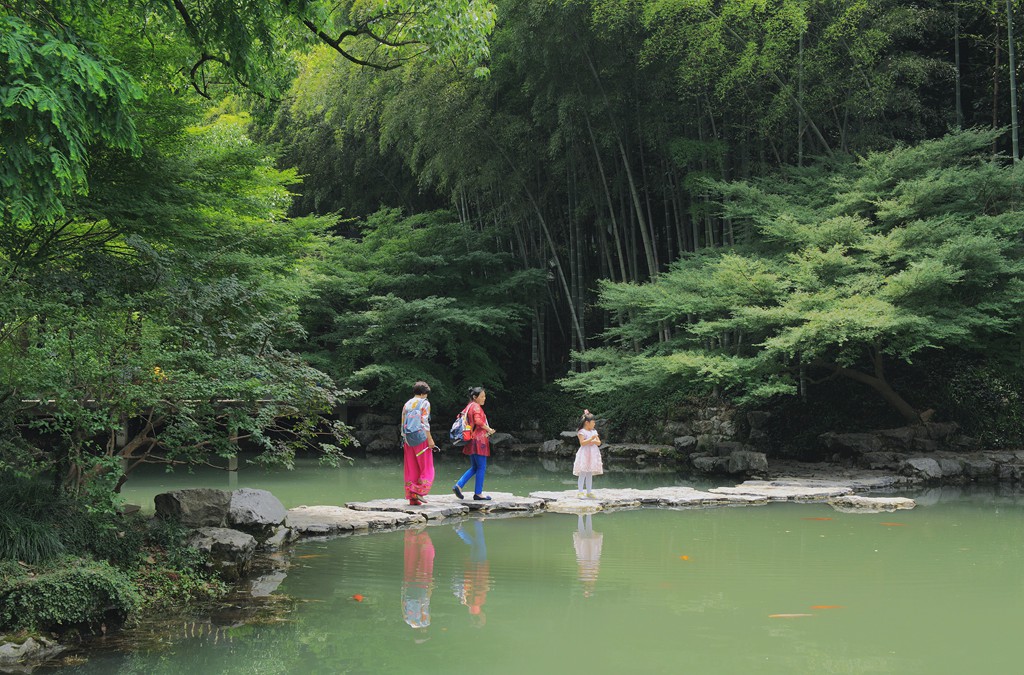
{"x":418,"y":445}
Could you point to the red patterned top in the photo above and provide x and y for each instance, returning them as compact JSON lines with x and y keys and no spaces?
{"x":481,"y":443}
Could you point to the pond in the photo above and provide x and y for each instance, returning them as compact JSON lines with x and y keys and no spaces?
{"x":783,"y":588}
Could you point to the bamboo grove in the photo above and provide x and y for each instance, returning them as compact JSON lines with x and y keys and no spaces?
{"x":592,"y":149}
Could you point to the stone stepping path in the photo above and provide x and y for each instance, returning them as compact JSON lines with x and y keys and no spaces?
{"x":447,"y":505}
{"x":322,"y":521}
{"x":383,"y":514}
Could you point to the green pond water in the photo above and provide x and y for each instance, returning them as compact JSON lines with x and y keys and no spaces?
{"x":783,"y":588}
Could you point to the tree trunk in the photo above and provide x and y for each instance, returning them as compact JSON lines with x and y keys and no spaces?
{"x":1012,"y":64}
{"x":880,"y":385}
{"x":995,"y":91}
{"x":956,"y":60}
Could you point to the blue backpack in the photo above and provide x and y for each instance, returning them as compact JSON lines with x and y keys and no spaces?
{"x":413,"y":431}
{"x":461,"y":431}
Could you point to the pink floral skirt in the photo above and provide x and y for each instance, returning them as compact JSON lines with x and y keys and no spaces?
{"x":588,"y":460}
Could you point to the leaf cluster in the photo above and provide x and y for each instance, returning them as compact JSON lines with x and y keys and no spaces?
{"x":900,"y":253}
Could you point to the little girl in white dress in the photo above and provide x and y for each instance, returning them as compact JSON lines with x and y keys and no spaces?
{"x":588,"y":457}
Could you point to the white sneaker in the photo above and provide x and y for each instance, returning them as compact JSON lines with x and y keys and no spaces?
{"x":579,"y":495}
{"x":592,"y":495}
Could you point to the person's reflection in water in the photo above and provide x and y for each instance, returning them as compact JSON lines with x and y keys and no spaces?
{"x":472,"y":589}
{"x":418,"y":579}
{"x":588,"y":553}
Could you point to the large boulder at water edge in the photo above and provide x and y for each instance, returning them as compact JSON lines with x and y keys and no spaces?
{"x":924,"y":468}
{"x":746,"y":462}
{"x":195,"y":507}
{"x":256,"y":512}
{"x":15,"y":653}
{"x":230,"y":551}
{"x":502,"y":438}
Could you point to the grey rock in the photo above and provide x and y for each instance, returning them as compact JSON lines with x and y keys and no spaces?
{"x":966,"y":443}
{"x":502,"y":438}
{"x":685,"y":444}
{"x":950,"y":467}
{"x":530,"y":436}
{"x":706,"y":464}
{"x":230,"y":551}
{"x":447,"y":505}
{"x":372,"y":420}
{"x":747,"y":462}
{"x":387,"y":433}
{"x":281,"y":536}
{"x":320,"y":521}
{"x":777,"y":491}
{"x":858,"y":504}
{"x":727,"y":448}
{"x":678,"y":429}
{"x":979,"y":468}
{"x":758,"y":419}
{"x":1010,"y":472}
{"x":194,"y":507}
{"x":900,"y":437}
{"x":759,"y":439}
{"x":257,"y":512}
{"x":638,"y":451}
{"x":940,"y":431}
{"x":926,"y":445}
{"x":23,"y":654}
{"x":851,"y":444}
{"x":702,"y":427}
{"x":924,"y":468}
{"x":382,"y":446}
{"x":555,"y":447}
{"x":881,"y":460}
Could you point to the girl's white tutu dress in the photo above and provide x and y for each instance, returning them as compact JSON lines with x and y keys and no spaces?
{"x":588,"y":457}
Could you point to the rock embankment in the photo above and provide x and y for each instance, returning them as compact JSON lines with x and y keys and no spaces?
{"x":228,"y":526}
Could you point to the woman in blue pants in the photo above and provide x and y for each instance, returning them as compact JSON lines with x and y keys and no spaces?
{"x":479,"y":448}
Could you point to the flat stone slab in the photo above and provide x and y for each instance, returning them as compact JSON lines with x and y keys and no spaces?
{"x":448,"y":505}
{"x":316,"y":521}
{"x":858,"y":504}
{"x":855,"y":481}
{"x":784,"y":491}
{"x":610,"y":498}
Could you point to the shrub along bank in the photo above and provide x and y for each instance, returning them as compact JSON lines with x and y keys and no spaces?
{"x":77,"y":563}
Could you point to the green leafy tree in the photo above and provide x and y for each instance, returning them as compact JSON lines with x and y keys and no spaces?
{"x":419,"y":297}
{"x":850,"y":267}
{"x":154,"y":338}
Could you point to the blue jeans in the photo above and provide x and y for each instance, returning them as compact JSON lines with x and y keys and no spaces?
{"x":478,"y":466}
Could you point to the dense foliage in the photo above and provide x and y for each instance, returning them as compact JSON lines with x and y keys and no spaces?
{"x":76,"y":560}
{"x":844,"y":269}
{"x":221,"y":220}
{"x":417,"y":297}
{"x":150,"y":276}
{"x":588,"y":150}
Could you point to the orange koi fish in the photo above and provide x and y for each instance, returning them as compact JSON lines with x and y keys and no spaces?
{"x":357,"y":597}
{"x":892,"y":524}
